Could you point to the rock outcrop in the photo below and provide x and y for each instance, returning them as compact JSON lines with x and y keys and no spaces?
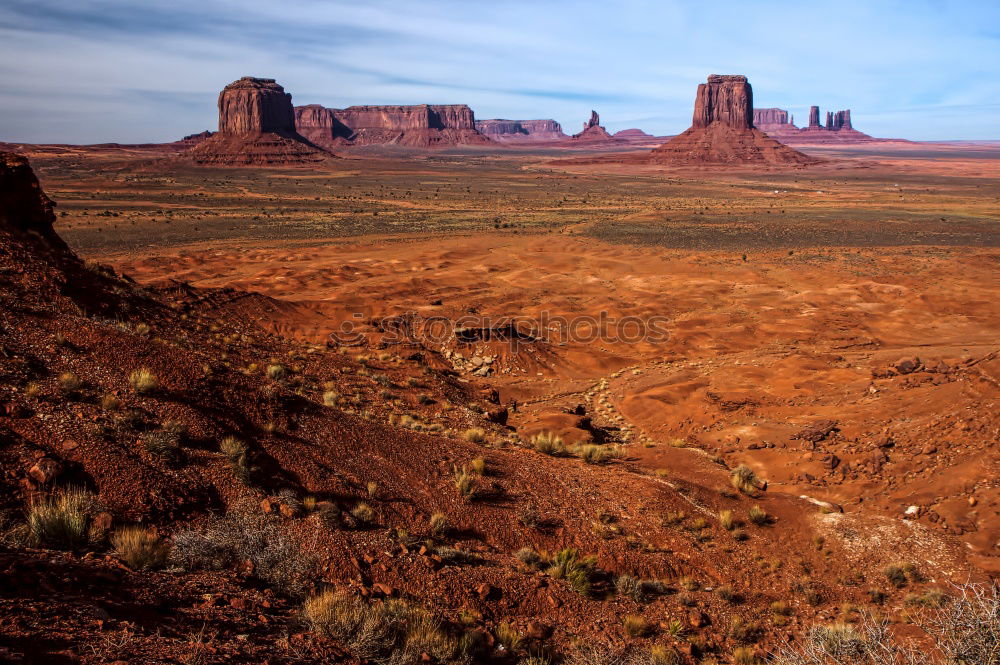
{"x":423,"y":125}
{"x":766,"y":118}
{"x":814,"y":116}
{"x":24,"y":207}
{"x":256,"y":128}
{"x":500,"y":129}
{"x":725,"y":99}
{"x":593,"y":131}
{"x":722,"y":131}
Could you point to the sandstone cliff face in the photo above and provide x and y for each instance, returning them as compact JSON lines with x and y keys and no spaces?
{"x":423,"y":125}
{"x":521,"y":130}
{"x":725,"y":99}
{"x":723,"y":132}
{"x":256,"y":128}
{"x":255,"y":106}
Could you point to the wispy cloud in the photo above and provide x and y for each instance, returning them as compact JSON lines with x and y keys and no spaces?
{"x":106,"y":70}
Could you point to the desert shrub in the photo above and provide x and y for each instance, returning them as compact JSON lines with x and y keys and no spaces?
{"x":781,"y":608}
{"x":390,"y":632}
{"x":635,"y":625}
{"x":478,"y":466}
{"x":739,"y":534}
{"x":440,"y":526}
{"x":110,"y":403}
{"x":474,"y":434}
{"x":726,"y":520}
{"x":60,"y":520}
{"x":69,"y":383}
{"x":144,"y":381}
{"x":744,"y":479}
{"x":331,"y":398}
{"x":730,"y":595}
{"x":626,"y":585}
{"x":758,"y":516}
{"x":140,"y":548}
{"x":675,"y":628}
{"x":238,"y":454}
{"x":456,"y":556}
{"x":465,"y":482}
{"x":372,"y":489}
{"x":276,"y":371}
{"x":567,"y":564}
{"x":225,"y":542}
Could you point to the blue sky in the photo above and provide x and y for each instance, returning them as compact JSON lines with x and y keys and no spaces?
{"x":86,"y":71}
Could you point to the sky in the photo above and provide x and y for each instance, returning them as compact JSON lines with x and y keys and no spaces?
{"x":134,"y":71}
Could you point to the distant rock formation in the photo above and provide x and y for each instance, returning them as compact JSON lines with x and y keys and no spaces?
{"x":632,"y":133}
{"x":256,"y":128}
{"x":593,"y":131}
{"x":500,"y":129}
{"x":722,"y":130}
{"x":814,"y":116}
{"x":423,"y":125}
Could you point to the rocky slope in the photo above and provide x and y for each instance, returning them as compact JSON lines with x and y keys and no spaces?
{"x":256,"y":128}
{"x":722,"y":130}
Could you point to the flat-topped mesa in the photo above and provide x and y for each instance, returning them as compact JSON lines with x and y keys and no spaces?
{"x":500,"y":129}
{"x":771,"y":116}
{"x":256,"y":128}
{"x":255,"y":106}
{"x":420,"y":125}
{"x":723,"y":132}
{"x":724,"y":98}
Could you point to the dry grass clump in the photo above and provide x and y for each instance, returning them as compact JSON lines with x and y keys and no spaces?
{"x":143,"y":381}
{"x":60,"y":521}
{"x":238,"y":454}
{"x":636,"y":626}
{"x":474,"y":435}
{"x":744,"y":479}
{"x":689,"y":583}
{"x":110,"y":403}
{"x":726,"y":520}
{"x":439,"y":525}
{"x":388,"y":632}
{"x":548,"y":443}
{"x":529,"y":557}
{"x":140,"y":548}
{"x":758,"y":516}
{"x":638,"y":590}
{"x":69,"y":383}
{"x":478,"y":466}
{"x":661,"y":654}
{"x":567,"y":564}
{"x":465,"y":482}
{"x":744,"y":656}
{"x":363,"y":514}
{"x":166,"y":441}
{"x":229,"y":541}
{"x":331,"y":398}
{"x":594,"y":454}
{"x":276,"y":371}
{"x":508,"y":637}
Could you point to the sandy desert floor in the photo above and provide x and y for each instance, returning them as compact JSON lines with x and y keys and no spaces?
{"x":787,"y":297}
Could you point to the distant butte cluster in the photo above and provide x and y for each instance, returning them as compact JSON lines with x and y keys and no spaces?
{"x":722,"y":130}
{"x":779,"y":124}
{"x":258,"y":125}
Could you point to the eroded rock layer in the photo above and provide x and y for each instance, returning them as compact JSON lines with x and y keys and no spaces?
{"x":500,"y":129}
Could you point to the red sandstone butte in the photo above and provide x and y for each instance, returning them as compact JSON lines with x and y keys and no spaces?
{"x":838,"y":127}
{"x":256,"y":128}
{"x":423,"y":125}
{"x":593,"y":131}
{"x":722,"y":131}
